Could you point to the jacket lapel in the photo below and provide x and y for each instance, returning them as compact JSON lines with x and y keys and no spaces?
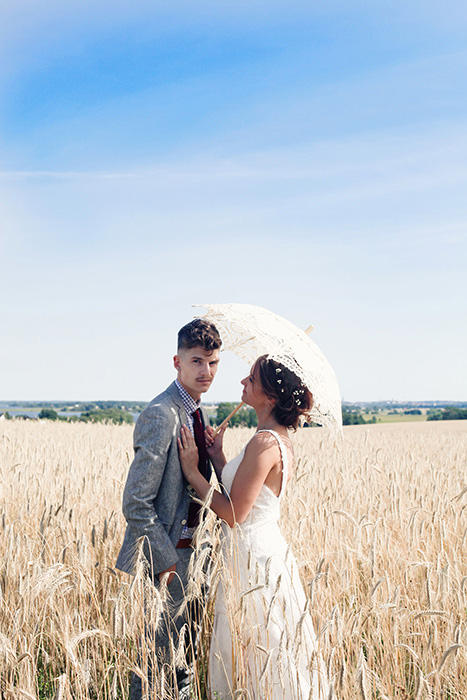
{"x":177,"y":399}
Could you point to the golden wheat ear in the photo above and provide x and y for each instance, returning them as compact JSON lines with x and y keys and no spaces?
{"x":377,"y":525}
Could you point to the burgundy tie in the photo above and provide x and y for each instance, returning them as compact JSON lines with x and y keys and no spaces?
{"x":198,"y":430}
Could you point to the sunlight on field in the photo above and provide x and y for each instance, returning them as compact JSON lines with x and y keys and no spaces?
{"x":385,"y":417}
{"x":378,"y":523}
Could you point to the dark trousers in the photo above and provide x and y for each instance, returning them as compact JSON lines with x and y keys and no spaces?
{"x":158,"y":660}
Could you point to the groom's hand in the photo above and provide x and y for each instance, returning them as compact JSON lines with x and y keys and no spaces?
{"x":171,"y":573}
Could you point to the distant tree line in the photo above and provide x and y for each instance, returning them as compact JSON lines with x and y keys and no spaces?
{"x":121,"y":412}
{"x":354,"y":418}
{"x":77,"y":406}
{"x":449,"y":413}
{"x":98,"y":415}
{"x":106,"y":415}
{"x":245,"y":416}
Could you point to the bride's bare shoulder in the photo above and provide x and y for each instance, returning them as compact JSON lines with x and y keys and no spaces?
{"x":262,"y":442}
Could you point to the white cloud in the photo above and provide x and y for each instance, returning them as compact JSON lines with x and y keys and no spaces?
{"x":340,"y":204}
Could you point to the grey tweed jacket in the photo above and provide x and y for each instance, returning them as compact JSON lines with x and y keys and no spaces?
{"x":157,"y":496}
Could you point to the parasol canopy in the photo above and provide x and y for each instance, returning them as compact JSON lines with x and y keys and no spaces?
{"x":250,"y":331}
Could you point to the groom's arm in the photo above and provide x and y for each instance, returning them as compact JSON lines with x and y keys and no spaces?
{"x":152,"y":438}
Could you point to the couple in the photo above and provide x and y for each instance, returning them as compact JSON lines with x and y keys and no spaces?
{"x":262,"y":639}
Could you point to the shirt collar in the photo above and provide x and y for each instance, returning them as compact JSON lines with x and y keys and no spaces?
{"x":189,"y":404}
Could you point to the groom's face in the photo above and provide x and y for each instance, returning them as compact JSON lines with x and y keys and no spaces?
{"x":196,"y":369}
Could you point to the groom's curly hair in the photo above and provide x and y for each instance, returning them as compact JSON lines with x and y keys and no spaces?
{"x":199,"y":332}
{"x":291,"y":397}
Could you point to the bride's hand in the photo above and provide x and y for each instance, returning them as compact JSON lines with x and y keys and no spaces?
{"x":188,"y":452}
{"x":214,"y":445}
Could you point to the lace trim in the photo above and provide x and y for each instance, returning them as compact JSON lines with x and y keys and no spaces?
{"x":250,"y":331}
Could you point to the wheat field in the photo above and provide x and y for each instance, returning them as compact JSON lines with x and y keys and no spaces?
{"x":377,"y":521}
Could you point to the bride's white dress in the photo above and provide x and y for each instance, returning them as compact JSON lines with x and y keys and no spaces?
{"x":263,"y":639}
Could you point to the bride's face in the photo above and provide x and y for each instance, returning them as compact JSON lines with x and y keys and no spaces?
{"x":253,"y":394}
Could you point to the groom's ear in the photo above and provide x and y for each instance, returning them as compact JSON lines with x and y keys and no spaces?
{"x":177,"y":362}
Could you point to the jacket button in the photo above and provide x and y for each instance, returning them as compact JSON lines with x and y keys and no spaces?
{"x":183,"y":522}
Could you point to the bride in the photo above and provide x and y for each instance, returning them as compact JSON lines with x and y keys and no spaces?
{"x":263,"y":641}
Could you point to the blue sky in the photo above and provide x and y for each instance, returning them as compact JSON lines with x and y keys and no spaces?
{"x":306,"y":157}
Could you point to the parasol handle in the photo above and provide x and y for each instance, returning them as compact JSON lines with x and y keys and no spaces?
{"x":224,"y":422}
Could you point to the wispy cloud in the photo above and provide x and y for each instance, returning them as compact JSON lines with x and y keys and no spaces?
{"x":311,"y":160}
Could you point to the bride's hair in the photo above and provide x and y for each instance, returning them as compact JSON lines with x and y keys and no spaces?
{"x":292,"y":398}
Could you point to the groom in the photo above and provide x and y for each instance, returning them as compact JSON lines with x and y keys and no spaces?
{"x":157,"y":501}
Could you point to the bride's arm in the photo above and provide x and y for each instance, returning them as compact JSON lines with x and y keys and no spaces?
{"x":260,"y":456}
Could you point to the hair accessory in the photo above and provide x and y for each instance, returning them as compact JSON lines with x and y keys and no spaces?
{"x":298,"y":393}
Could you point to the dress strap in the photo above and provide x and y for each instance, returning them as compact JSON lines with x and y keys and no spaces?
{"x":284,"y":457}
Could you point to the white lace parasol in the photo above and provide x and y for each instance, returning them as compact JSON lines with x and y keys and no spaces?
{"x":250,"y":331}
